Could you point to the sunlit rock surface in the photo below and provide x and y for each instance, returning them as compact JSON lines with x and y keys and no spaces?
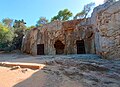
{"x":106,"y":20}
{"x":98,"y":34}
{"x":60,"y":38}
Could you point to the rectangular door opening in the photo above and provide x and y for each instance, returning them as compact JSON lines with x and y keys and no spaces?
{"x":80,"y":47}
{"x":40,"y":49}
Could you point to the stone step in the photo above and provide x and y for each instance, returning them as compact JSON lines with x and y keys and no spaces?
{"x":23,"y":65}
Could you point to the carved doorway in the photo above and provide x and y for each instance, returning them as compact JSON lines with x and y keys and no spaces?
{"x":59,"y":46}
{"x":40,"y":49}
{"x":80,"y":47}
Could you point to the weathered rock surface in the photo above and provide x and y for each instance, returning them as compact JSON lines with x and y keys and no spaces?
{"x":70,"y":71}
{"x":88,"y":73}
{"x":99,"y":34}
{"x":106,"y":21}
{"x":59,"y":38}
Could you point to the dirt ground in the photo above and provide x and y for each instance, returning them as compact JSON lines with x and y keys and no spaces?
{"x":60,"y":71}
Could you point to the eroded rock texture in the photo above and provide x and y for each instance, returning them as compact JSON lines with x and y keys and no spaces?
{"x":99,"y":34}
{"x":106,"y":20}
{"x":59,"y":38}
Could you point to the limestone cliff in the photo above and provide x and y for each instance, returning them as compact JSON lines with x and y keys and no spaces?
{"x":99,"y":34}
{"x":106,"y":23}
{"x":59,"y":38}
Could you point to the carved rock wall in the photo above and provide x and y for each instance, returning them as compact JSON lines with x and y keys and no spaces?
{"x":67,"y":32}
{"x":100,"y":34}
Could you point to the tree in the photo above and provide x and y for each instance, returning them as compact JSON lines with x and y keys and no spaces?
{"x":41,"y":21}
{"x":80,"y":15}
{"x":85,"y":11}
{"x":6,"y":36}
{"x":19,"y":30}
{"x":7,"y":22}
{"x":19,"y":24}
{"x":63,"y":15}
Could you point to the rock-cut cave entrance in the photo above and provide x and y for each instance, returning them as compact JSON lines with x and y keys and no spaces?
{"x":59,"y":46}
{"x":80,"y":47}
{"x":40,"y":49}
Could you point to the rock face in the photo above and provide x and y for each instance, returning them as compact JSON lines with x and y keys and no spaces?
{"x":59,"y":38}
{"x":89,"y":73}
{"x":99,"y":34}
{"x":106,"y":20}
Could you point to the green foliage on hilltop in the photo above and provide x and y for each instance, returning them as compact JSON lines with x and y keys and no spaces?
{"x":62,"y":15}
{"x":12,"y":31}
{"x":41,"y":21}
{"x":83,"y":14}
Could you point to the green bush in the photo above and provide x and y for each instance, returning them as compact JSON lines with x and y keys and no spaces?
{"x":6,"y":37}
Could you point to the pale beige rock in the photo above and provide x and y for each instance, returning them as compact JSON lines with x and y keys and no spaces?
{"x":107,"y":36}
{"x":100,"y":33}
{"x":66,"y":32}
